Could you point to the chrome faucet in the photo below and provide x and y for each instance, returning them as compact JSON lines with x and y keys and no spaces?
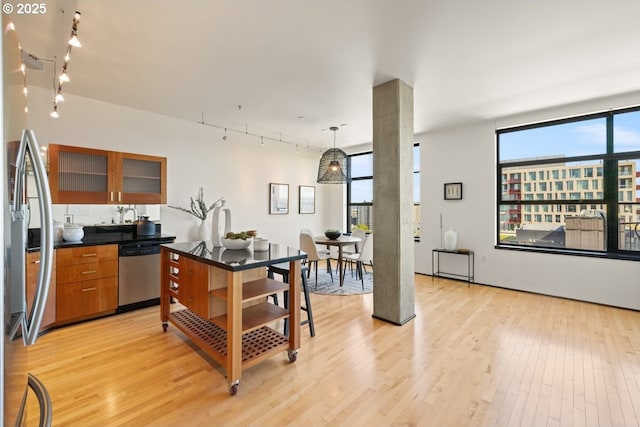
{"x":135,"y":214}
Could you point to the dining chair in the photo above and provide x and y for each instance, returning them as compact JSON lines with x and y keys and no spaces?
{"x":321,"y":249}
{"x":365,"y":256}
{"x":360,"y":234}
{"x":308,"y":245}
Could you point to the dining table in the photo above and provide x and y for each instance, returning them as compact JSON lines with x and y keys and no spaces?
{"x":340,"y":243}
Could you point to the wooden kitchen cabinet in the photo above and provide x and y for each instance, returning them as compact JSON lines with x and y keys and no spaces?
{"x":190,"y":285}
{"x":81,"y":175}
{"x":141,"y":178}
{"x":87,"y":282}
{"x":33,"y":266}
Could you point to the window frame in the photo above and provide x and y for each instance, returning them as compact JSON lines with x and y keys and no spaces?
{"x":349,"y":205}
{"x":608,"y":168}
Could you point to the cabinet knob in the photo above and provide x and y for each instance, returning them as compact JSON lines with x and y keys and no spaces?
{"x":89,"y":272}
{"x":88,"y":289}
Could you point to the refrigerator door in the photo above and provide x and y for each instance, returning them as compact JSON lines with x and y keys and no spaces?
{"x":19,"y":328}
{"x":23,"y":327}
{"x":13,"y":353}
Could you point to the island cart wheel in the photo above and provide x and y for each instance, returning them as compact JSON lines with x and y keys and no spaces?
{"x":233,"y":389}
{"x":165,"y":325}
{"x":293,"y":355}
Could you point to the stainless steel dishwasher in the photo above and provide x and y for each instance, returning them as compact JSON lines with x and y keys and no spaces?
{"x":139,"y":275}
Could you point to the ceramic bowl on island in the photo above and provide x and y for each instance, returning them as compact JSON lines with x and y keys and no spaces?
{"x":241,"y":241}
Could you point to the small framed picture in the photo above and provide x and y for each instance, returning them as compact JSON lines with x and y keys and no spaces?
{"x":453,"y":191}
{"x":278,"y":199}
{"x":307,"y":199}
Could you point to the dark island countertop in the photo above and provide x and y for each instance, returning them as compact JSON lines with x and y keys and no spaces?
{"x":101,"y":235}
{"x":235,"y":259}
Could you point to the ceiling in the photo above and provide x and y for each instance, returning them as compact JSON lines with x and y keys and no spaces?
{"x":290,"y":69}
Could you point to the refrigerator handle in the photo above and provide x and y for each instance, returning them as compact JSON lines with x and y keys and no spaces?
{"x":46,"y":238}
{"x":44,"y":400}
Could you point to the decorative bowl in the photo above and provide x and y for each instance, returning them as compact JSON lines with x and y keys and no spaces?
{"x":235,"y":243}
{"x":72,"y":233}
{"x":332,"y":234}
{"x":252,"y":233}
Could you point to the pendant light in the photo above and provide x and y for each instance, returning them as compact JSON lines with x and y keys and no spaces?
{"x":333,"y":164}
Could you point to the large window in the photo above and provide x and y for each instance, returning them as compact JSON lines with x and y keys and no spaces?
{"x":555,"y":167}
{"x":360,"y":191}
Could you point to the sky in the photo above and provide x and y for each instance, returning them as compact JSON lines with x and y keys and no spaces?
{"x":572,"y":139}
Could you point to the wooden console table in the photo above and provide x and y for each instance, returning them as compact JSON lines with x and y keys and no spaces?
{"x":223,"y":302}
{"x":435,"y":264}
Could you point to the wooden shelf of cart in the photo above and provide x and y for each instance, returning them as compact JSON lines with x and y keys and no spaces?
{"x":226,"y":311}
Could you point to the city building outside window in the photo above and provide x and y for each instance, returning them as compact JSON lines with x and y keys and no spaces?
{"x":360,"y":191}
{"x":582,"y":173}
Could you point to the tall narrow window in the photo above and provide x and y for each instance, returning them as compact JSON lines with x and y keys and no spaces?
{"x":360,"y":191}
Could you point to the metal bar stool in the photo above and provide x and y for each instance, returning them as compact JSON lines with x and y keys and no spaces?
{"x":283,"y":270}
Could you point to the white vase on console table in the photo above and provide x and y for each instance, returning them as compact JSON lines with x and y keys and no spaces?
{"x":450,"y":239}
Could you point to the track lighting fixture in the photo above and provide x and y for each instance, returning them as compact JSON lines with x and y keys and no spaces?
{"x":73,"y":41}
{"x":245,"y":131}
{"x":64,"y":77}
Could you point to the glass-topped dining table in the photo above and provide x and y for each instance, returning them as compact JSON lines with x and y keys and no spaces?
{"x":340,"y":243}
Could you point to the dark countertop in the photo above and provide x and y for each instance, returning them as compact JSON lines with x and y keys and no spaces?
{"x":238,"y":259}
{"x":101,"y":235}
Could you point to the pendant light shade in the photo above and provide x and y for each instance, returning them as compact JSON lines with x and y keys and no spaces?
{"x":333,"y":165}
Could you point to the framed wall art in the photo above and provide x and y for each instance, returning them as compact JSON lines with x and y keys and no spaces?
{"x":307,"y":199}
{"x":278,"y":199}
{"x":453,"y":191}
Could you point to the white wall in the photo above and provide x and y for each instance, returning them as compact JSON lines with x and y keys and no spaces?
{"x":468,"y":155}
{"x":238,"y":169}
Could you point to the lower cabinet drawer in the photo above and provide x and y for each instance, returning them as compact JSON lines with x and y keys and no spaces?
{"x":196,"y":300}
{"x":84,"y":299}
{"x":89,"y":271}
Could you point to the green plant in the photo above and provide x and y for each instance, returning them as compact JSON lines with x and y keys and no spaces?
{"x":198,"y":207}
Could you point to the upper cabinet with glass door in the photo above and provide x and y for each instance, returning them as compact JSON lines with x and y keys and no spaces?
{"x":141,"y":179}
{"x":80,"y":175}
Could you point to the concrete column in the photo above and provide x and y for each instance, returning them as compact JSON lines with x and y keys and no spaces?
{"x":393,"y":246}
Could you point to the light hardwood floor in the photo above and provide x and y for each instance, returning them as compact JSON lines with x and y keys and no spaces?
{"x":478,"y":356}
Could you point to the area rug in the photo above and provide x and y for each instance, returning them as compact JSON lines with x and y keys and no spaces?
{"x":352,"y":285}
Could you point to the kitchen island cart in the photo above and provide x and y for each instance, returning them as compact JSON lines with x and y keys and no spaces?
{"x":223,"y":306}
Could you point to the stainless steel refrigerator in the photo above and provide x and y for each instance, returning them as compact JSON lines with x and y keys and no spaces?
{"x":20,"y":155}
